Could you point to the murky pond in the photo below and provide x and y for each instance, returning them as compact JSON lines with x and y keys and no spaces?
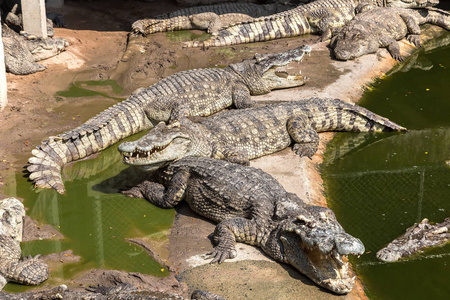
{"x":93,"y":216}
{"x":380,"y":184}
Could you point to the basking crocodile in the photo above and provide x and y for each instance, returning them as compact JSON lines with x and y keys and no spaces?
{"x":418,"y":237}
{"x":252,"y":207}
{"x":383,"y":27}
{"x":21,"y":54}
{"x":319,"y":16}
{"x":198,"y":92}
{"x":30,"y":271}
{"x":210,"y":17}
{"x":250,"y":133}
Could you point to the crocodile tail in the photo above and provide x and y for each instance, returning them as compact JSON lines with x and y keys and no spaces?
{"x":438,"y":17}
{"x":30,"y":271}
{"x":360,"y":119}
{"x":149,"y":26}
{"x":258,"y":30}
{"x":98,"y":133}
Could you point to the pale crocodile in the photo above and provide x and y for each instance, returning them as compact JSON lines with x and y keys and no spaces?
{"x":417,"y":238}
{"x":383,"y":27}
{"x":30,"y":271}
{"x":198,"y":92}
{"x":250,"y":133}
{"x":319,"y":16}
{"x":209,"y":17}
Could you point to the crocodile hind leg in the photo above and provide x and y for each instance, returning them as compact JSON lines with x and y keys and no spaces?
{"x":413,"y":30}
{"x":305,"y":137}
{"x":233,"y":230}
{"x":156,"y":194}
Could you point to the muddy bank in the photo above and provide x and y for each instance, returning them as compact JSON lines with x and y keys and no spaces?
{"x":98,"y":38}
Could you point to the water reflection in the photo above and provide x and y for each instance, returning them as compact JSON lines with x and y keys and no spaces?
{"x":379,"y":185}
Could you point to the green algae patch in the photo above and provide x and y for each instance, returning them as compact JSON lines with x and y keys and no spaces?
{"x":95,"y":218}
{"x":104,"y":88}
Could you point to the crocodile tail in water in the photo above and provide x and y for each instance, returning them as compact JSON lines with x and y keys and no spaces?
{"x":98,"y":133}
{"x":262,"y":29}
{"x":343,"y":116}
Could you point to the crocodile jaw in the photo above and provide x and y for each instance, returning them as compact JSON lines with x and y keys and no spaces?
{"x":276,"y":77}
{"x":329,"y":270}
{"x":156,"y":155}
{"x":280,"y":79}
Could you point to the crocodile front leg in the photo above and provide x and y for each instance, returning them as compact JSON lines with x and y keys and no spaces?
{"x":233,"y":230}
{"x":305,"y":137}
{"x":158,"y":195}
{"x":393,"y":47}
{"x":241,"y":97}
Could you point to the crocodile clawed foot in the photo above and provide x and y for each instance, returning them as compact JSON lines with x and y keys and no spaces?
{"x":219,"y":254}
{"x":307,"y":150}
{"x":414,"y":39}
{"x":133,"y":192}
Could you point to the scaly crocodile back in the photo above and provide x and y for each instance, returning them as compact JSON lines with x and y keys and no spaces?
{"x":179,"y":19}
{"x":263,"y":130}
{"x":133,"y":115}
{"x":300,"y":20}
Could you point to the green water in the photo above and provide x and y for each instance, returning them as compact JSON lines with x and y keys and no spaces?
{"x":380,"y":184}
{"x":95,"y":218}
{"x":87,"y":89}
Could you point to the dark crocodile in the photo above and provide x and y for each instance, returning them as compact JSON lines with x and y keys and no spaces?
{"x":250,"y":206}
{"x":198,"y":92}
{"x":383,"y":27}
{"x":210,"y":17}
{"x":30,"y":271}
{"x":417,"y":238}
{"x":319,"y":16}
{"x":250,"y":133}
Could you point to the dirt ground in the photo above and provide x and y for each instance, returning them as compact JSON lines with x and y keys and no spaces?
{"x":97,"y":32}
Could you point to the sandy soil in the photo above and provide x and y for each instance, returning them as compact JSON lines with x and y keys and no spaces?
{"x":97,"y":33}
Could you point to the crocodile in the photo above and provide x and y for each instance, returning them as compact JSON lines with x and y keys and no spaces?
{"x":250,"y":206}
{"x":22,"y":54}
{"x":29,"y":271}
{"x":383,"y":27}
{"x":319,"y":16}
{"x":250,"y":133}
{"x":198,"y":92}
{"x":210,"y":17}
{"x":416,"y":239}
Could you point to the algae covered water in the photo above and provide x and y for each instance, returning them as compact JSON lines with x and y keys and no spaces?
{"x":381,"y":184}
{"x":95,"y":219}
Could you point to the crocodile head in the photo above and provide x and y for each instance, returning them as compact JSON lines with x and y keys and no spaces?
{"x":411,"y":3}
{"x":162,"y":145}
{"x":264,"y":73}
{"x":46,"y":48}
{"x":353,"y":42}
{"x":317,"y":245}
